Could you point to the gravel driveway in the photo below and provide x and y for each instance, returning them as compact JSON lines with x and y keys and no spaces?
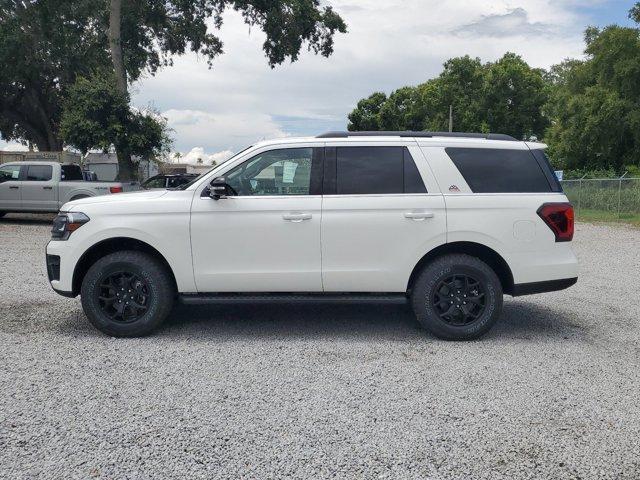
{"x":323,"y":391}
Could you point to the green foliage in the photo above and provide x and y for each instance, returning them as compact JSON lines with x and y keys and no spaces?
{"x":366,"y":115}
{"x":595,"y":104}
{"x":44,"y":45}
{"x":506,"y":96}
{"x":97,"y":116}
{"x":50,"y":43}
{"x":153,"y":31}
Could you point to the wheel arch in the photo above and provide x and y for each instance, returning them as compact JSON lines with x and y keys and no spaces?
{"x":478,"y":250}
{"x":112,"y":245}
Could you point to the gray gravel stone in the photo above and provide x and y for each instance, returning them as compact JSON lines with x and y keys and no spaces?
{"x":323,"y":391}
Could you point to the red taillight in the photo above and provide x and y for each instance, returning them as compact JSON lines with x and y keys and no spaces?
{"x":559,"y":218}
{"x":115,"y":189}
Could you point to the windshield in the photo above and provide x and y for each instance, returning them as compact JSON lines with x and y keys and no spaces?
{"x":187,"y":185}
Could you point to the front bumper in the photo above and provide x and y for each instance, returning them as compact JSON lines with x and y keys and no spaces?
{"x":60,"y":267}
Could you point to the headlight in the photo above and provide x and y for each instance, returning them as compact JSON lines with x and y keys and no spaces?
{"x":66,"y":223}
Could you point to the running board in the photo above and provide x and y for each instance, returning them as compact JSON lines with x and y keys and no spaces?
{"x":249,"y":298}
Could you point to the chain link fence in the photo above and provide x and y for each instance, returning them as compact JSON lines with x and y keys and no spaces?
{"x":608,"y":199}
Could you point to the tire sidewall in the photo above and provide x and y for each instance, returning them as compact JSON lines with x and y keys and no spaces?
{"x":430,"y":280}
{"x":145,"y":269}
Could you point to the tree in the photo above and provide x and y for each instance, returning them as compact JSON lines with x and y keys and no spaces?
{"x":97,"y":116}
{"x":366,"y":114}
{"x":514,"y":95}
{"x":44,"y":46}
{"x":67,"y":39}
{"x":506,"y":96}
{"x":595,"y":103}
{"x":143,"y":35}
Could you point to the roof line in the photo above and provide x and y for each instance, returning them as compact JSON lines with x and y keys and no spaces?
{"x":405,"y":133}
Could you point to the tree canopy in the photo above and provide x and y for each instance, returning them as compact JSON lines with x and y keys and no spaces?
{"x":587,"y":110}
{"x":44,"y":46}
{"x":51,"y":44}
{"x":506,"y":96}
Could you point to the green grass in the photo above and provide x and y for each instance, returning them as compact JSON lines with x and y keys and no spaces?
{"x":589,"y":215}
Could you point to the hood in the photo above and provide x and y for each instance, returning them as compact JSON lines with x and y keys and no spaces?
{"x":113,"y":198}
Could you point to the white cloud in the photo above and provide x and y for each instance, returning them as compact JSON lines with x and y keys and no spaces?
{"x":197,"y":155}
{"x":13,"y":146}
{"x":389,"y":44}
{"x":220,"y":131}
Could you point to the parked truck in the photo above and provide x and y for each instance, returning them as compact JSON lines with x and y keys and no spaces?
{"x":38,"y":187}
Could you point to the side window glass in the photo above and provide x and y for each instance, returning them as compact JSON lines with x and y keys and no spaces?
{"x":491,"y":170}
{"x":369,"y":170}
{"x":412,"y":180}
{"x":9,"y":173}
{"x":39,"y":173}
{"x":276,"y":172}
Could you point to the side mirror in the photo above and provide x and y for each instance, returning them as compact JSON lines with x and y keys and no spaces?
{"x":218,"y":188}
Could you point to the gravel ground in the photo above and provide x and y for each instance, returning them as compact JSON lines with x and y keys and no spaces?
{"x":309,"y":391}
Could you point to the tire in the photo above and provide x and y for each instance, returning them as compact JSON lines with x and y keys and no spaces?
{"x":450,"y":315}
{"x":131,"y":278}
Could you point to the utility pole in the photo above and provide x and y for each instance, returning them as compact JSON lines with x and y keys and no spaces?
{"x":451,"y":118}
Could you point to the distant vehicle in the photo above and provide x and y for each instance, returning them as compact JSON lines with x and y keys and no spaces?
{"x":168,"y":181}
{"x":446,"y":222}
{"x":40,"y":187}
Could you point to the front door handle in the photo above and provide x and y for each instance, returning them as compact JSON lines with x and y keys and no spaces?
{"x":296,"y":217}
{"x":418,"y":215}
{"x":47,"y":188}
{"x":14,"y":188}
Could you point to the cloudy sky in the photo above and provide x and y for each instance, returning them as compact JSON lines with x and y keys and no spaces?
{"x":390,"y":43}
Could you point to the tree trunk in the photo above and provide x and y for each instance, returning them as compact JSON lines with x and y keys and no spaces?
{"x":115,"y":45}
{"x":126,"y":168}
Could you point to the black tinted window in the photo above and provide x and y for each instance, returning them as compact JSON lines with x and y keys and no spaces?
{"x":71,"y":172}
{"x":412,"y":180}
{"x":39,"y":172}
{"x":376,"y":170}
{"x":364,"y":170}
{"x":492,"y":170}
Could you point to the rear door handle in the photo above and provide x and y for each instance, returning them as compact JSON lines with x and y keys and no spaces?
{"x":418,"y":215}
{"x":14,"y":188}
{"x":47,"y":188}
{"x":296,"y":217}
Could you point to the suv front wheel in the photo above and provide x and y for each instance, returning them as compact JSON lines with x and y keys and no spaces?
{"x":127,"y":294}
{"x":457,"y":297}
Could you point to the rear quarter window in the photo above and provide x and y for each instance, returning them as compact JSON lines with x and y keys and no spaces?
{"x":495,"y":170}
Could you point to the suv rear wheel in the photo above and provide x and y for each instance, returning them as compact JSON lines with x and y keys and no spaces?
{"x":457,"y":297}
{"x":127,"y":294}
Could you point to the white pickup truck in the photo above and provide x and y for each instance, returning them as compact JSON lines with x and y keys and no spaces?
{"x":45,"y":186}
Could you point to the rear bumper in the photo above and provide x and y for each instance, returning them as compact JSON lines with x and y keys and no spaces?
{"x":520,"y":289}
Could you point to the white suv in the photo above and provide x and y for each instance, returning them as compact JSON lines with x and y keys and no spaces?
{"x":446,"y":221}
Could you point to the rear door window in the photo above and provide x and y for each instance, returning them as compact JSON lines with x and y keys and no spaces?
{"x":376,"y":170}
{"x":494,"y":170}
{"x":39,"y":173}
{"x":71,"y":172}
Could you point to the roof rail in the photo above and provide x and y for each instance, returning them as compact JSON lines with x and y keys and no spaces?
{"x":486,"y":136}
